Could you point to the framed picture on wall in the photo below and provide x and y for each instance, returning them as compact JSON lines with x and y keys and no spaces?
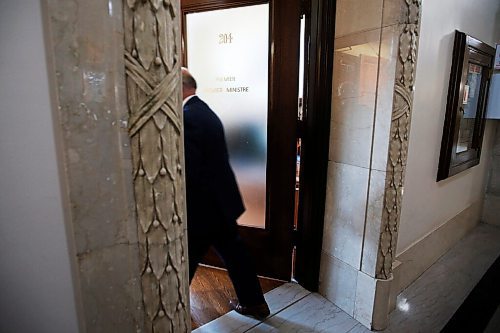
{"x":463,"y":128}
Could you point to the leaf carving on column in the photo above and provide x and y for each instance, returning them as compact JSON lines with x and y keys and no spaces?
{"x":144,"y":202}
{"x":160,"y":120}
{"x":176,"y":254}
{"x":414,"y":12}
{"x":156,"y":4}
{"x":168,"y":283}
{"x":164,"y":191}
{"x":131,"y":3}
{"x":404,"y":45}
{"x":150,"y":151}
{"x":155,"y":127}
{"x":166,"y":33}
{"x":150,"y":293}
{"x":171,"y":163}
{"x":398,"y":145}
{"x":145,"y":35}
{"x":143,"y":251}
{"x":157,"y":250}
{"x":163,"y":324}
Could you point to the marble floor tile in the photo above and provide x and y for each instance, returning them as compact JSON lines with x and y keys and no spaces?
{"x":359,"y":328}
{"x":428,"y":304}
{"x":476,"y":252}
{"x":311,"y":314}
{"x":231,"y":322}
{"x":277,"y":299}
{"x":285,"y":295}
{"x":425,"y":306}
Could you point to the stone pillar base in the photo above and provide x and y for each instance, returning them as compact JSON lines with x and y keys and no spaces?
{"x":372,"y":301}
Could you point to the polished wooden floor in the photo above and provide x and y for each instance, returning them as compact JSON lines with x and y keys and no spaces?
{"x":211,"y":290}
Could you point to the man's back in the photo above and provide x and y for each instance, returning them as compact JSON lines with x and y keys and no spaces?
{"x":210,"y":181}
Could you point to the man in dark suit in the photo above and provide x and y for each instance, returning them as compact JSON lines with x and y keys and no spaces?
{"x":214,"y":201}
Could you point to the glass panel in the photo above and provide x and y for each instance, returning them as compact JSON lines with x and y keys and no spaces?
{"x":300,"y":116}
{"x":470,"y":102}
{"x":301,"y":66}
{"x":227,"y":53}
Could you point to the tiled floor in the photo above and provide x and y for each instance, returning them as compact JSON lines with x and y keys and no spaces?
{"x":428,"y":304}
{"x":425,"y":306}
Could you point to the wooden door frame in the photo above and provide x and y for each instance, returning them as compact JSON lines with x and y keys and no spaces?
{"x":315,"y":132}
{"x":316,"y":140}
{"x":280,"y":192}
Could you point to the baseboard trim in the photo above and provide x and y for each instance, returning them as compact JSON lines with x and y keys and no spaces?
{"x":415,"y":260}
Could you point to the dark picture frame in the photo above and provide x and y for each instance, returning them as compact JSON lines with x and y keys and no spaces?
{"x":466,"y":105}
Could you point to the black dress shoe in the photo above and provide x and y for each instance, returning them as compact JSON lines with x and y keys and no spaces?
{"x":259,"y":311}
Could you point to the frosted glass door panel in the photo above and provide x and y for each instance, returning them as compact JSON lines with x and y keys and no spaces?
{"x":227,"y":53}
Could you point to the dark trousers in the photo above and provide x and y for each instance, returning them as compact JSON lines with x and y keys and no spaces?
{"x":231,"y":249}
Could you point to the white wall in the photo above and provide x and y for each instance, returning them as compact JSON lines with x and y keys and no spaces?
{"x":36,"y":292}
{"x":427,"y":204}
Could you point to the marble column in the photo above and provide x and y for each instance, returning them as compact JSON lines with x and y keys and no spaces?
{"x":374,"y":65}
{"x":84,"y":44}
{"x":152,"y":64}
{"x":115,"y":81}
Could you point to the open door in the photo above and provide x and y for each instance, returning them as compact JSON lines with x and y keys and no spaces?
{"x":245,"y":57}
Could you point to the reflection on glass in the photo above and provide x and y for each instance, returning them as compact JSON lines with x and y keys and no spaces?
{"x":356,"y":69}
{"x":227,"y":52}
{"x":470,"y":103}
{"x":300,"y":116}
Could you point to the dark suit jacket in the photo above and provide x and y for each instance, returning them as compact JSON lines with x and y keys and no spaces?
{"x":211,"y":189}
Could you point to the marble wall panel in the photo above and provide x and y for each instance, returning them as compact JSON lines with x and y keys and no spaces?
{"x":93,"y":113}
{"x":372,"y":301}
{"x":373,"y":222}
{"x":109,"y":279}
{"x":337,"y":282}
{"x":367,"y":45}
{"x":355,"y":73}
{"x":394,"y":12}
{"x":385,"y":94}
{"x":381,"y":137}
{"x":357,"y":15}
{"x":347,"y":191}
{"x":84,"y":42}
{"x":365,"y":298}
{"x":351,"y":133}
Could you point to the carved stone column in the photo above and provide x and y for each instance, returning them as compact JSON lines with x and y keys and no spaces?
{"x":402,"y":106}
{"x":84,"y":45}
{"x":152,"y":46}
{"x":406,"y":16}
{"x":372,"y":104}
{"x":399,"y":134}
